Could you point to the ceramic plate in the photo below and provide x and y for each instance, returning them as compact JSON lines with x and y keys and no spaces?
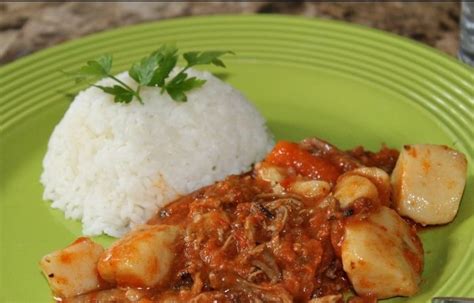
{"x":344,"y":83}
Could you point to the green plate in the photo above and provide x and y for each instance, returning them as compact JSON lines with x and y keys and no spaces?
{"x":347,"y":84}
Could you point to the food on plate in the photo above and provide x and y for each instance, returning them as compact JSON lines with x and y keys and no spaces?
{"x":146,"y":265}
{"x":381,"y":255}
{"x":73,"y":270}
{"x":351,"y":187}
{"x":113,"y":161}
{"x":428,"y":183}
{"x":307,"y":224}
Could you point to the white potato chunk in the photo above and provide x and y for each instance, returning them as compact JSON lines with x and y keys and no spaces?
{"x":327,"y":299}
{"x":380,"y":179}
{"x":428,"y":182}
{"x":140,"y":259}
{"x":351,"y":187}
{"x":270,"y":173}
{"x":113,"y":295}
{"x":72,"y":271}
{"x":382,"y":255}
{"x":311,"y":188}
{"x":108,"y":295}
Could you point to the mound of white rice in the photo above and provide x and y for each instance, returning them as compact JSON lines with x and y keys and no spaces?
{"x":113,"y":165}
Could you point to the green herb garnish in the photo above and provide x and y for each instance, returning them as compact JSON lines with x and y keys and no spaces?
{"x":153,"y":71}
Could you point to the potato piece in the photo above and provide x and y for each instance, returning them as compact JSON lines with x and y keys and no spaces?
{"x":72,"y":270}
{"x":311,"y":188}
{"x":327,"y":299}
{"x":270,"y":173}
{"x":382,"y":255}
{"x":108,"y":295}
{"x":379,"y":178}
{"x":140,"y":259}
{"x":350,"y":187}
{"x":428,"y":182}
{"x":115,"y":295}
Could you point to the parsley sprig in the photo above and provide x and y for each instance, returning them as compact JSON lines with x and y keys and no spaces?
{"x":154,"y":71}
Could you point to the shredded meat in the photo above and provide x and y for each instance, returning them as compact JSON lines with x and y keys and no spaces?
{"x":246,"y":239}
{"x":259,"y":246}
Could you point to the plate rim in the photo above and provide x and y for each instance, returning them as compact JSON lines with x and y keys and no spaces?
{"x":46,"y":51}
{"x":253,"y":16}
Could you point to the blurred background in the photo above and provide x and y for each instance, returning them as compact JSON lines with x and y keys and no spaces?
{"x":29,"y":27}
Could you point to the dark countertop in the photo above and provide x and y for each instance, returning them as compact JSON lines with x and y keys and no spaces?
{"x":28,"y":27}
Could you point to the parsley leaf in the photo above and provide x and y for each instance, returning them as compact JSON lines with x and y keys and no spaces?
{"x":142,"y":72}
{"x":168,"y":59}
{"x":121,"y":94}
{"x":177,"y":87}
{"x":105,"y":63}
{"x":99,"y":68}
{"x":208,"y":57}
{"x":180,"y":84}
{"x":154,"y":71}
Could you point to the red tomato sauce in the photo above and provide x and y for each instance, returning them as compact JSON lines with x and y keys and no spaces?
{"x":291,"y":155}
{"x":244,"y":242}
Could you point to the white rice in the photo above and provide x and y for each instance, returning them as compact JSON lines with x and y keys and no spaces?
{"x":113,"y":165}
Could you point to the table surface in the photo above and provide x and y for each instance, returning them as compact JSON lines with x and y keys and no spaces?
{"x":28,"y":27}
